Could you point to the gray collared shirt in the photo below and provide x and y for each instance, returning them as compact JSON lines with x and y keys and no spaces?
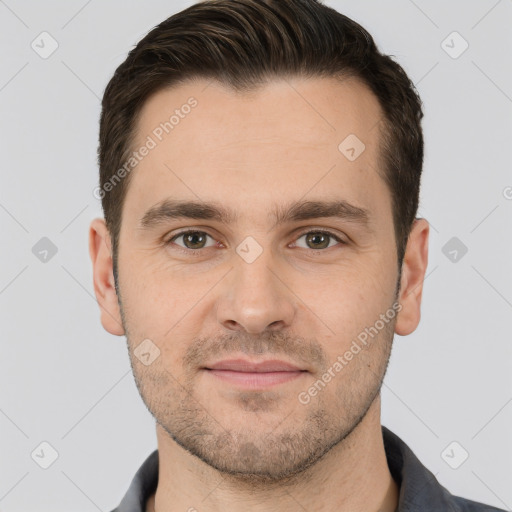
{"x":419,"y":489}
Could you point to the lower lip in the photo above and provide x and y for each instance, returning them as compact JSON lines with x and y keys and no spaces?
{"x":255,"y":380}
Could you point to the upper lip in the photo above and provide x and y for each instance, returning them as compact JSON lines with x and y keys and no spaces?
{"x":243,"y":365}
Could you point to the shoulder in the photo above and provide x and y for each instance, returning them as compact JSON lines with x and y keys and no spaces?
{"x":419,"y":488}
{"x":465,"y":505}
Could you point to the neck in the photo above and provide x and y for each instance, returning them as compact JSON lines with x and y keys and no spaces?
{"x":353,"y":476}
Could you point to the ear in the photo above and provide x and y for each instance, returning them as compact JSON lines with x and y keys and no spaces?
{"x":413,"y":274}
{"x":100,"y":251}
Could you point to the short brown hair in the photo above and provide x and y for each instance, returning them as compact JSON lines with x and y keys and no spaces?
{"x":243,"y":44}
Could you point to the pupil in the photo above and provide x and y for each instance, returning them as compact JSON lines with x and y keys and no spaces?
{"x":319,"y":235}
{"x":192,"y":236}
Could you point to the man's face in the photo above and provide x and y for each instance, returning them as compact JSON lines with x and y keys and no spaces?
{"x":254,"y":289}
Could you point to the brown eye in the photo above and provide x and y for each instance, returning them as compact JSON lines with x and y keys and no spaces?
{"x":192,"y":240}
{"x":318,"y":240}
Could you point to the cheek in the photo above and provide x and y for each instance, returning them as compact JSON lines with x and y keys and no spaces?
{"x":346,"y":302}
{"x":164,"y":305}
{"x":153,"y":293}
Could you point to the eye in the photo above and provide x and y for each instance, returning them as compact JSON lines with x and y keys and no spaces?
{"x":192,"y":240}
{"x":320,"y":239}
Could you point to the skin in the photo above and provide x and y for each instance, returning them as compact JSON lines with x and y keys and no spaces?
{"x":302,"y":300}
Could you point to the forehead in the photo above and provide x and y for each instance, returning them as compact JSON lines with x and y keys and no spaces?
{"x":287,"y":137}
{"x":316,"y":111}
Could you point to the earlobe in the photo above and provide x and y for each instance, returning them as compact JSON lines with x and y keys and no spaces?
{"x":413,"y":274}
{"x":103,"y":277}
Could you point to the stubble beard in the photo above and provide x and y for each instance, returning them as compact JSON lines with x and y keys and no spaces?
{"x":281,"y":454}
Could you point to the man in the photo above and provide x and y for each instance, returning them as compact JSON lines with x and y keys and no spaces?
{"x":260,"y":166}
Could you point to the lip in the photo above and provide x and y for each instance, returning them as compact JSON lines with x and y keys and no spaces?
{"x":246,"y":366}
{"x":254,"y":375}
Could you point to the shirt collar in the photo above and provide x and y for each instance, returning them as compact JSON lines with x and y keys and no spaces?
{"x":419,"y":488}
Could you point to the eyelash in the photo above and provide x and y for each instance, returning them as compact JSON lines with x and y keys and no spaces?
{"x":197,"y":251}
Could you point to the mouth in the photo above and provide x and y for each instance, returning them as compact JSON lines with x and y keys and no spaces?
{"x":254,"y":375}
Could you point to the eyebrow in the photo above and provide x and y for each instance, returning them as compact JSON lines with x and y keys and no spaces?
{"x":170,"y":209}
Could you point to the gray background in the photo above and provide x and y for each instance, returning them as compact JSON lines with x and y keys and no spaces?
{"x":65,"y":381}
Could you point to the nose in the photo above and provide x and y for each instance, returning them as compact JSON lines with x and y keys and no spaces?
{"x":255,"y":297}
